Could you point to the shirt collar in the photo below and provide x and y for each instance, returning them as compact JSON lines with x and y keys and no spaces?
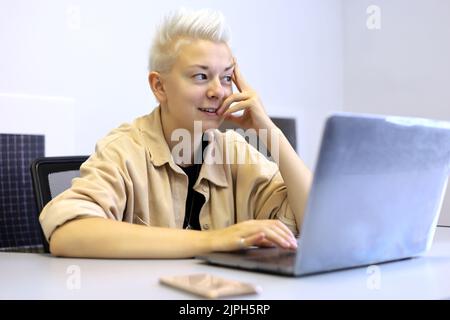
{"x":150,"y":127}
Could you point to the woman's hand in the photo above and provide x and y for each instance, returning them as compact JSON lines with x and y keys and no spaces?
{"x":261,"y":233}
{"x":246,"y":99}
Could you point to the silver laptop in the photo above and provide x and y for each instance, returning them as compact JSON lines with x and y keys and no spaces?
{"x":377,"y":192}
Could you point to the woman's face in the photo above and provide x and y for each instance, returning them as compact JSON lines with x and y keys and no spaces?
{"x":198,"y":83}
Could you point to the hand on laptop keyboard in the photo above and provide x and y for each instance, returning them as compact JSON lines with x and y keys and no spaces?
{"x":261,"y":233}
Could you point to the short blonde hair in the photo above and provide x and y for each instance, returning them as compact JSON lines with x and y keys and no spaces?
{"x":181,"y":27}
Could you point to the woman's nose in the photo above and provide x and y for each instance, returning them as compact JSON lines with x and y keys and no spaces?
{"x":215,"y":90}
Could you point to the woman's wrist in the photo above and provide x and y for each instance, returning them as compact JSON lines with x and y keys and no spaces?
{"x":207,"y":241}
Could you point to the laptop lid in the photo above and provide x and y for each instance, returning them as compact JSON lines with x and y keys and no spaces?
{"x":377,"y":191}
{"x":378,"y":188}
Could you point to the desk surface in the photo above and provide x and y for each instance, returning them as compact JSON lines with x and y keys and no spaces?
{"x":40,"y":276}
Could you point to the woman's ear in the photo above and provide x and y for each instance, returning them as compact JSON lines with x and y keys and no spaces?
{"x":155,"y":81}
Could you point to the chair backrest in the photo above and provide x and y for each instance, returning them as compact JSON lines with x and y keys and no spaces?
{"x":51,"y":176}
{"x":286,"y":125}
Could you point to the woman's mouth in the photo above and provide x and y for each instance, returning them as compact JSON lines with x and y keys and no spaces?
{"x":209,"y":111}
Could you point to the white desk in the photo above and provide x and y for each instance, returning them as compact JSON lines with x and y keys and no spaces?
{"x":39,"y":276}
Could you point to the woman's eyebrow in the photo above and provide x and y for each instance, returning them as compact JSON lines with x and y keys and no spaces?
{"x":206,"y":67}
{"x":230,"y":67}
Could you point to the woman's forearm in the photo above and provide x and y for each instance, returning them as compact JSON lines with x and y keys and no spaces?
{"x":296,"y":175}
{"x":104,"y":238}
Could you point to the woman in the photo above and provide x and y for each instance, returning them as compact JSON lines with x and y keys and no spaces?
{"x":136,"y":198}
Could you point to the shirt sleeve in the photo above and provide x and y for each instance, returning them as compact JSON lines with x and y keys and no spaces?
{"x":272,"y":202}
{"x":260,"y":189}
{"x":100,"y":191}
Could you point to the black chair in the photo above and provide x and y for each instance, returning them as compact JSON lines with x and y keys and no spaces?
{"x":286,"y":125}
{"x":51,"y":176}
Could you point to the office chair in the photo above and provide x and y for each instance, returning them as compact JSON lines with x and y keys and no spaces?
{"x":51,"y":176}
{"x":289,"y":128}
{"x":286,"y":125}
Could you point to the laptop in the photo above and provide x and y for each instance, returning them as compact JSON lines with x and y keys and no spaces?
{"x":377,"y":191}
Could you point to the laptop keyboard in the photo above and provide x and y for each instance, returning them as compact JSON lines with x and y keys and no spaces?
{"x":272,"y":256}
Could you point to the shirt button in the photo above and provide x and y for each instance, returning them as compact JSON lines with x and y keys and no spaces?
{"x":206,"y":226}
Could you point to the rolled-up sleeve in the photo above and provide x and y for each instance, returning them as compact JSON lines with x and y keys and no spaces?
{"x":272,"y":202}
{"x":100,"y":191}
{"x":260,"y":189}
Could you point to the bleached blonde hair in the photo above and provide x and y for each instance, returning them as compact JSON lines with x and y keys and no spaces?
{"x":181,"y":27}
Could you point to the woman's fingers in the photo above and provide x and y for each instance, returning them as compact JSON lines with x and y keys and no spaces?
{"x":277,"y":237}
{"x":261,"y":233}
{"x":265,"y":243}
{"x":235,"y":97}
{"x":275,"y":232}
{"x":237,"y":107}
{"x":238,"y":79}
{"x":251,"y":240}
{"x":285,"y":228}
{"x":289,"y":236}
{"x":281,"y":234}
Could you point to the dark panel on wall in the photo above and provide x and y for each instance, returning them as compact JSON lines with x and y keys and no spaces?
{"x":19,"y":225}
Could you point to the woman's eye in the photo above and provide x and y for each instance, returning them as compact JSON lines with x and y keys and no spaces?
{"x":200,"y":76}
{"x":228,"y":78}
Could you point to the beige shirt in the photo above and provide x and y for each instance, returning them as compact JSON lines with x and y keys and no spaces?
{"x":132,"y":177}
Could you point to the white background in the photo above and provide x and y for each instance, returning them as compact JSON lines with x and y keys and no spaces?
{"x":74,"y":70}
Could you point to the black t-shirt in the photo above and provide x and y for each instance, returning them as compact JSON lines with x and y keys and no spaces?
{"x":194,"y":201}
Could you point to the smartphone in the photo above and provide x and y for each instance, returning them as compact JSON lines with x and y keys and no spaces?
{"x":210,"y":286}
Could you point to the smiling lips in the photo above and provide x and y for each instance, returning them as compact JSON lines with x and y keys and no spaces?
{"x":209,"y":111}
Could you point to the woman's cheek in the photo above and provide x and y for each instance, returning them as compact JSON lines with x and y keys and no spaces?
{"x":228,"y":92}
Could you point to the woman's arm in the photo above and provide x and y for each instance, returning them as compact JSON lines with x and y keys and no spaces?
{"x":296,"y":175}
{"x":104,"y":238}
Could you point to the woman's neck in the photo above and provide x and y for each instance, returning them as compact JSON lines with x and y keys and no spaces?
{"x":189,"y":142}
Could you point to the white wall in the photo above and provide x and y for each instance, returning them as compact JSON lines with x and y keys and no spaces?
{"x":94,"y":53}
{"x":404,"y":67}
{"x":51,"y":117}
{"x":75,"y":69}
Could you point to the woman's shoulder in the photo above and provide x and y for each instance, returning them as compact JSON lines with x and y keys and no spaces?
{"x":121,"y":135}
{"x":123,"y":139}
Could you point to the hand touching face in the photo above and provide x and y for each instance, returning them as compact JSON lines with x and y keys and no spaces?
{"x":245,"y":99}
